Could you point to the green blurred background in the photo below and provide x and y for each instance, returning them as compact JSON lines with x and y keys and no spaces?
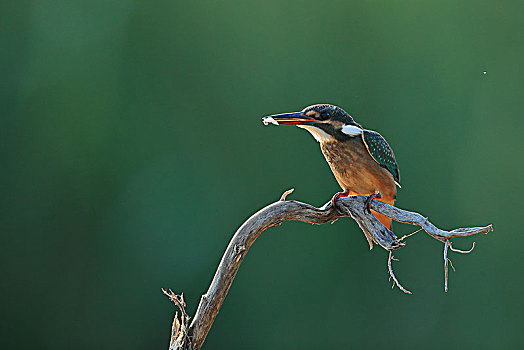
{"x":132,"y":149}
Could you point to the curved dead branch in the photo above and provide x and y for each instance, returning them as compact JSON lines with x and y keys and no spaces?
{"x":409,"y":217}
{"x":193,"y":337}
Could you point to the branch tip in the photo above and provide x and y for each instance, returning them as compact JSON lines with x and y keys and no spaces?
{"x":179,"y":328}
{"x":462,"y":251}
{"x":285,"y":194}
{"x":451,"y":264}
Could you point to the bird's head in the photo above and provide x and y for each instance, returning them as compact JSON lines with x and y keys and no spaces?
{"x":325,"y":122}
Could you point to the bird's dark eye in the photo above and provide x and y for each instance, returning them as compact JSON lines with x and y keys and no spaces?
{"x":324,"y":115}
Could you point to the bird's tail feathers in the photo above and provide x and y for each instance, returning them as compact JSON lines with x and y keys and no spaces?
{"x":386,"y":221}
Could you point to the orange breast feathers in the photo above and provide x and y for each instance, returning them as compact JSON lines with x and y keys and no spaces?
{"x":355,"y":170}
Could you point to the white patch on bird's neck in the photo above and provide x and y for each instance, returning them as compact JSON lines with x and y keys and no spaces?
{"x":351,"y":130}
{"x":319,"y":134}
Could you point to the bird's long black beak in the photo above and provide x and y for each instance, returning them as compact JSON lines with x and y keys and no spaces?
{"x":296,"y":118}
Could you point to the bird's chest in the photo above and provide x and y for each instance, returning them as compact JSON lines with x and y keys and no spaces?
{"x":353,"y":167}
{"x":345,"y":156}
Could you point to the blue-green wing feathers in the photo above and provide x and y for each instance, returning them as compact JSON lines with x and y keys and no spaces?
{"x":381,"y":152}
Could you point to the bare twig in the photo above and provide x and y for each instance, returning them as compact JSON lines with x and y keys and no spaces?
{"x":462,"y":251}
{"x":410,"y":234}
{"x":285,"y":194}
{"x":446,"y":246}
{"x":179,"y":337}
{"x":413,"y":218}
{"x":392,"y":275}
{"x":282,"y":210}
{"x":451,"y":264}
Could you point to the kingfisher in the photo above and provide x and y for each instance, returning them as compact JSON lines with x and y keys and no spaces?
{"x":361,"y":160}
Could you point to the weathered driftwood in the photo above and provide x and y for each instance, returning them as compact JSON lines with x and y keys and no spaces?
{"x":192,"y":337}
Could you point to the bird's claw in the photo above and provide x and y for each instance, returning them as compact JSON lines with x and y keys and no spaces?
{"x":337,"y":196}
{"x":370,"y":198}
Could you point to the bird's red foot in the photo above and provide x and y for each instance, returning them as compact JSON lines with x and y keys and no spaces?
{"x":338,"y":195}
{"x":370,"y":198}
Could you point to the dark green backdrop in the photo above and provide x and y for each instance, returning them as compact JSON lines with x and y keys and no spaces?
{"x":132,"y":148}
